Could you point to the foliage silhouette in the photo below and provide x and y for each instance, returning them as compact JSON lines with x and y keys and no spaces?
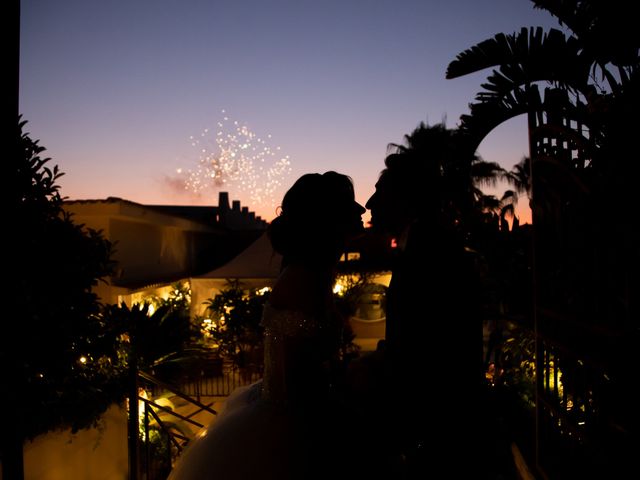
{"x":60,"y":365}
{"x":150,"y":334}
{"x":236,"y":314}
{"x":582,"y":131}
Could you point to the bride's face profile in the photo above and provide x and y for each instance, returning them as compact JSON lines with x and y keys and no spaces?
{"x":352,"y":219}
{"x":347,"y":213}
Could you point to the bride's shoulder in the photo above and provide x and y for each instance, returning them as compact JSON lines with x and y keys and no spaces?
{"x":293,"y":290}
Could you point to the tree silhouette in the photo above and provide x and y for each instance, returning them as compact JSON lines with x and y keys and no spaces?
{"x":58,"y":359}
{"x":594,"y":69}
{"x":582,"y":132}
{"x":236,"y":329}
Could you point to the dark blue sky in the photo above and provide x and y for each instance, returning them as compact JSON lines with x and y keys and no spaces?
{"x":114,"y":89}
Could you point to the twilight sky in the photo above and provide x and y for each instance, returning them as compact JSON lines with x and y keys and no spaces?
{"x":119,"y":91}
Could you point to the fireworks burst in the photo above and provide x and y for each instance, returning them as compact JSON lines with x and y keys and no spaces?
{"x":239,"y":161}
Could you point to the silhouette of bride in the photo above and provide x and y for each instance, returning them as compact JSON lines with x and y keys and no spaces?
{"x":294,"y":423}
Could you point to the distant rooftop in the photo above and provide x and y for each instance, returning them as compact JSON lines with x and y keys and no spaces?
{"x":222,"y":215}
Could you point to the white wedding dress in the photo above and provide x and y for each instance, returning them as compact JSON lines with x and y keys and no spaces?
{"x":291,"y":424}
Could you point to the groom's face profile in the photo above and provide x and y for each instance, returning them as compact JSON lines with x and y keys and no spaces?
{"x":389,"y":205}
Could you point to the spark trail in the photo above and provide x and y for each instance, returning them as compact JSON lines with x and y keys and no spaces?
{"x":237,"y":159}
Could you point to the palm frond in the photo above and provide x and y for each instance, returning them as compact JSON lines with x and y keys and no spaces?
{"x":509,"y":197}
{"x":487,"y":173}
{"x":487,"y":113}
{"x":489,"y":203}
{"x":607,"y":29}
{"x":524,"y":58}
{"x":507,"y":209}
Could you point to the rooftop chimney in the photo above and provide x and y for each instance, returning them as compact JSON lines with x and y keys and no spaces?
{"x":223,"y":200}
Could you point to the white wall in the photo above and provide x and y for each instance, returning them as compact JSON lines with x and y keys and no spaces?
{"x":91,"y":454}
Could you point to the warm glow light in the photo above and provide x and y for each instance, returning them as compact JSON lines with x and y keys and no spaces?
{"x":263,"y":290}
{"x":339,"y":288}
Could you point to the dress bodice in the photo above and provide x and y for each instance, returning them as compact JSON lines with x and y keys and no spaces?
{"x":298,"y":347}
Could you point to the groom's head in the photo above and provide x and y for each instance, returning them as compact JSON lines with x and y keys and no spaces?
{"x":407,"y":190}
{"x":395,"y":203}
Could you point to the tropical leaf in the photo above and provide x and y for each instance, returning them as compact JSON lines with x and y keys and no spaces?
{"x":487,"y":113}
{"x":487,"y":173}
{"x":607,"y":29}
{"x":520,"y":176}
{"x":524,"y":58}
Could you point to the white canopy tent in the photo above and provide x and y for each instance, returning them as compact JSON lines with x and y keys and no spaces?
{"x":256,"y":267}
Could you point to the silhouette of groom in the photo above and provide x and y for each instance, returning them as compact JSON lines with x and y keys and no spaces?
{"x":432,"y":341}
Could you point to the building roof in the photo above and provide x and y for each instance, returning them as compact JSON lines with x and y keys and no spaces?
{"x":114,"y":207}
{"x":207,"y":215}
{"x":258,"y":260}
{"x":221,"y":216}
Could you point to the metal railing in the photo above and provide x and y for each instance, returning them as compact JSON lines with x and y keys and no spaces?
{"x":163,"y":432}
{"x":200,"y":383}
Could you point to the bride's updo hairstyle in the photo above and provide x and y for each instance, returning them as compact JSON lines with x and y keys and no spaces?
{"x":317,"y":215}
